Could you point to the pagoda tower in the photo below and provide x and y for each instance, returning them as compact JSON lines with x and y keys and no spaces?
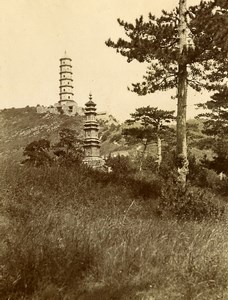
{"x":66,"y":81}
{"x":91,"y":141}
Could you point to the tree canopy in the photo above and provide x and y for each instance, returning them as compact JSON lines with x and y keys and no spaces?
{"x":155,"y":41}
{"x":148,"y":124}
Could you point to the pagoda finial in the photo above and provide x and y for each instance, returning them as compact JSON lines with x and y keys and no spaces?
{"x":90,"y":96}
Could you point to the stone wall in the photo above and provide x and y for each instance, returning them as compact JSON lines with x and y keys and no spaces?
{"x":68,"y":108}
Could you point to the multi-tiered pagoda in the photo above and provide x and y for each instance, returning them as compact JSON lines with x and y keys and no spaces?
{"x":66,"y":81}
{"x":91,"y":141}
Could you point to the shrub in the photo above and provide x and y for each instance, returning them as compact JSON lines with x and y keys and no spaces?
{"x":207,"y":178}
{"x":37,"y":153}
{"x":192,"y":204}
{"x":121,"y":165}
{"x":145,"y":187}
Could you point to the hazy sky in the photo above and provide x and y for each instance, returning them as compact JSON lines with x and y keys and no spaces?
{"x":35,"y":33}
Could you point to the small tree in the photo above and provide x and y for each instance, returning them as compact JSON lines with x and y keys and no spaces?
{"x":38,"y":153}
{"x":149,"y":124}
{"x":69,"y":147}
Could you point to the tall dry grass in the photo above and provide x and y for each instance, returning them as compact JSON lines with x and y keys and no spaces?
{"x":65,"y":236}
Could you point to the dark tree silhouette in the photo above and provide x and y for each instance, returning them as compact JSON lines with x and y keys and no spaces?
{"x":38,"y":153}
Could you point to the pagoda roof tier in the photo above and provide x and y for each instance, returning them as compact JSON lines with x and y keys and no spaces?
{"x":91,"y":139}
{"x":90,"y":103}
{"x":92,"y":122}
{"x":91,"y":144}
{"x":91,"y":127}
{"x":61,"y":72}
{"x":65,"y":65}
{"x":66,"y":85}
{"x":66,"y":100}
{"x":66,"y":93}
{"x":91,"y":110}
{"x":63,"y":58}
{"x":65,"y":78}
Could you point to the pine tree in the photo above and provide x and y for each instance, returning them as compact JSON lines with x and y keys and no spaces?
{"x":149,"y":124}
{"x":183,"y":48}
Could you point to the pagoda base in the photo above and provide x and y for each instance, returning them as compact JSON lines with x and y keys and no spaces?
{"x":94,"y":162}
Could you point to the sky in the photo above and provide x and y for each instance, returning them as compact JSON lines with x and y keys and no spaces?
{"x":34,"y":35}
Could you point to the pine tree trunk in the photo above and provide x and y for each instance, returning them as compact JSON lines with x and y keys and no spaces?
{"x":142,"y":156}
{"x":182,"y":97}
{"x":159,"y":145}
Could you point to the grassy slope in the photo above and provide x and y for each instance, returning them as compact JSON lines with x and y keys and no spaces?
{"x":71,"y":237}
{"x":19,"y":127}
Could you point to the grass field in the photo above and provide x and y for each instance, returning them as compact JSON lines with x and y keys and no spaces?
{"x":65,"y":235}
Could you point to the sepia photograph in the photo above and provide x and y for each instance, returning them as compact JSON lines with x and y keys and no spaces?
{"x":114,"y":150}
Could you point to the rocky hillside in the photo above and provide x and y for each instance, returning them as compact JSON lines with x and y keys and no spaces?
{"x":20,"y":126}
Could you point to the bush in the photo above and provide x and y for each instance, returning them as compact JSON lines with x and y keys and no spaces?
{"x":121,"y":165}
{"x":38,"y":153}
{"x":192,"y":204}
{"x":145,"y":187}
{"x":207,"y":178}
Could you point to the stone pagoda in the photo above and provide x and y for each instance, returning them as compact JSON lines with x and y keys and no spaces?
{"x":66,"y":104}
{"x":91,"y":141}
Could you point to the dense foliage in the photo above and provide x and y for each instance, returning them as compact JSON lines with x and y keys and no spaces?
{"x":67,"y":151}
{"x":216,"y":128}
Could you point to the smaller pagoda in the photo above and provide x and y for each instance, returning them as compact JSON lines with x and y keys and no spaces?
{"x":91,"y":141}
